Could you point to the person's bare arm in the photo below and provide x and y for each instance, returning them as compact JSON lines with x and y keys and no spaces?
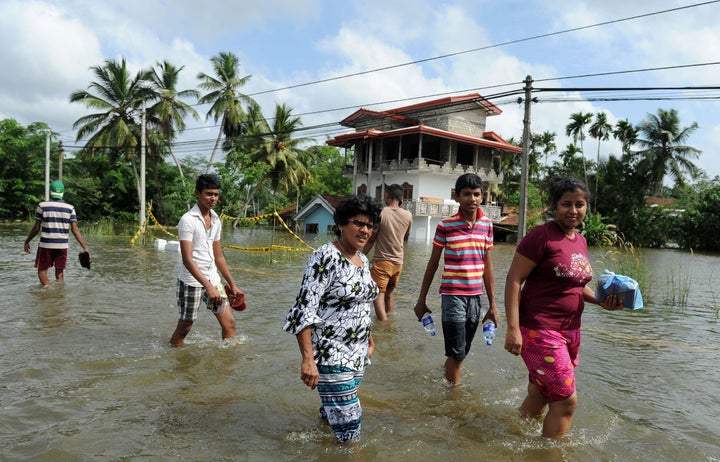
{"x":489,"y":283}
{"x":33,"y":232}
{"x":520,"y":268}
{"x":222,"y":266}
{"x":432,"y":265}
{"x":78,"y":236}
{"x":308,"y":369}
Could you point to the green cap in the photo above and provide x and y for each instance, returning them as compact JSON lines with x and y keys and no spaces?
{"x":57,"y":188}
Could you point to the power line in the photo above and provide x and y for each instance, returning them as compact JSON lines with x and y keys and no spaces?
{"x":631,"y":71}
{"x":487,"y":47}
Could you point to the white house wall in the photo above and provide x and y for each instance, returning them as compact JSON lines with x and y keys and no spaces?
{"x":426,"y":186}
{"x":433,"y":186}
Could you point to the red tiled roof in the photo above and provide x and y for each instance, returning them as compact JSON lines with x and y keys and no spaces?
{"x":397,"y":113}
{"x":333,"y":200}
{"x":287,"y":210}
{"x":451,"y":100}
{"x":654,"y":201}
{"x":497,"y":143}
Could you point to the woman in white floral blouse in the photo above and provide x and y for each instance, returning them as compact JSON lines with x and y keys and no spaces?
{"x":331,"y":317}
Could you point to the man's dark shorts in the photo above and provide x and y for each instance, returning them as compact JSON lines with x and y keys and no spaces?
{"x":460,"y":320}
{"x":47,"y":258}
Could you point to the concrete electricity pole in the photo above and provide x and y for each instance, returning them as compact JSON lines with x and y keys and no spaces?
{"x":60,"y":160}
{"x":47,"y":165}
{"x":142,"y":167}
{"x":524,"y":169}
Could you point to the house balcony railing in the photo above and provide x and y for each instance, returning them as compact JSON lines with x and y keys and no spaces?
{"x":426,"y":166}
{"x":441,"y":209}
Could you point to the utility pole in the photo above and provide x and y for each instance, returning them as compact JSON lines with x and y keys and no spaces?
{"x":60,"y":160}
{"x":47,"y":164}
{"x":524,"y":173}
{"x":142,"y":167}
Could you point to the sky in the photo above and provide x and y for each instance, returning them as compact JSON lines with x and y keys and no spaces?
{"x":325,"y":59}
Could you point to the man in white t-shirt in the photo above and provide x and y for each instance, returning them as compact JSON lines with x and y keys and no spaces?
{"x":198,"y":281}
{"x":389,"y":241}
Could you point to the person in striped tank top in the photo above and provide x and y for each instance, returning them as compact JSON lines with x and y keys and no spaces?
{"x":466,"y":240}
{"x":53,"y":220}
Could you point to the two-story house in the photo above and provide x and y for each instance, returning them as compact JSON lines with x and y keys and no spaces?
{"x":424,"y":147}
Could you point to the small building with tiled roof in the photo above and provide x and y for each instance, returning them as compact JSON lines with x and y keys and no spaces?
{"x":316,"y":217}
{"x":424,"y":148}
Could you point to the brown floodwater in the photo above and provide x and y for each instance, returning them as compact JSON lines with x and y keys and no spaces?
{"x":87,"y":372}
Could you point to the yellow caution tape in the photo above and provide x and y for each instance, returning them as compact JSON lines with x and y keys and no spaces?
{"x":224,"y":216}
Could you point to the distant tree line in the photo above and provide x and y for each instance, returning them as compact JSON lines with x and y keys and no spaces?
{"x":623,"y":186}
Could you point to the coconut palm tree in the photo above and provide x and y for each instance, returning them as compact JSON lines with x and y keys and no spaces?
{"x":546,"y":140}
{"x":168,"y":111}
{"x":272,"y":143}
{"x":600,"y":130}
{"x":663,"y":152}
{"x":118,"y":97}
{"x":282,"y":152}
{"x":576,"y":129}
{"x":569,"y":159}
{"x":223,"y":95}
{"x":626,"y":134}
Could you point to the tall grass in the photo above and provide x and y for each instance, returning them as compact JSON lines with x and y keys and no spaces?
{"x":108,"y":226}
{"x":673,"y":293}
{"x":677,"y":286}
{"x":624,"y":259}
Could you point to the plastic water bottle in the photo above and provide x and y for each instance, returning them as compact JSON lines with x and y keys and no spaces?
{"x":428,"y":324}
{"x":489,"y":332}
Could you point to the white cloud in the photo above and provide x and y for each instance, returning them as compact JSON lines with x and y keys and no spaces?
{"x":44,"y":54}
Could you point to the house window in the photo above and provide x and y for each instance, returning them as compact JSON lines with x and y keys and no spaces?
{"x":407,"y":191}
{"x":465,"y":154}
{"x":311,"y":228}
{"x":379,"y":193}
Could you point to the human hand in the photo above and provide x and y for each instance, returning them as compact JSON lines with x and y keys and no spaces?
{"x":420,"y":309}
{"x":214,"y":296}
{"x":371,"y":347}
{"x":513,"y":341}
{"x":309,"y":373}
{"x":236,"y":297}
{"x":26,"y":247}
{"x":612,"y":303}
{"x":493,"y":315}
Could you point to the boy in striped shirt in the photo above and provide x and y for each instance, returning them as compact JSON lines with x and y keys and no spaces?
{"x":466,"y":239}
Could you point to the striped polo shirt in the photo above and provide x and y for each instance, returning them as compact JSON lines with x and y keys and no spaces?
{"x":465,"y":248}
{"x":55,"y":216}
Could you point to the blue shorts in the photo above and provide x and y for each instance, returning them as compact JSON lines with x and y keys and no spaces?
{"x":460,"y":320}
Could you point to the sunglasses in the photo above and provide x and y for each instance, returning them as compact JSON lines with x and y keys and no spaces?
{"x":361,"y":224}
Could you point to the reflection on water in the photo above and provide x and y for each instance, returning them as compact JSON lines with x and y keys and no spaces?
{"x":88,"y":373}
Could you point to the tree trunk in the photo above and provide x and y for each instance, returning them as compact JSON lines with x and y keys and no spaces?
{"x":217,"y":142}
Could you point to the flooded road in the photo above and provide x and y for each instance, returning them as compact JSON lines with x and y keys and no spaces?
{"x":88,"y":374}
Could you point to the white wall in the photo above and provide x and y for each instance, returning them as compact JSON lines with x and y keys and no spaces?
{"x":425,"y":185}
